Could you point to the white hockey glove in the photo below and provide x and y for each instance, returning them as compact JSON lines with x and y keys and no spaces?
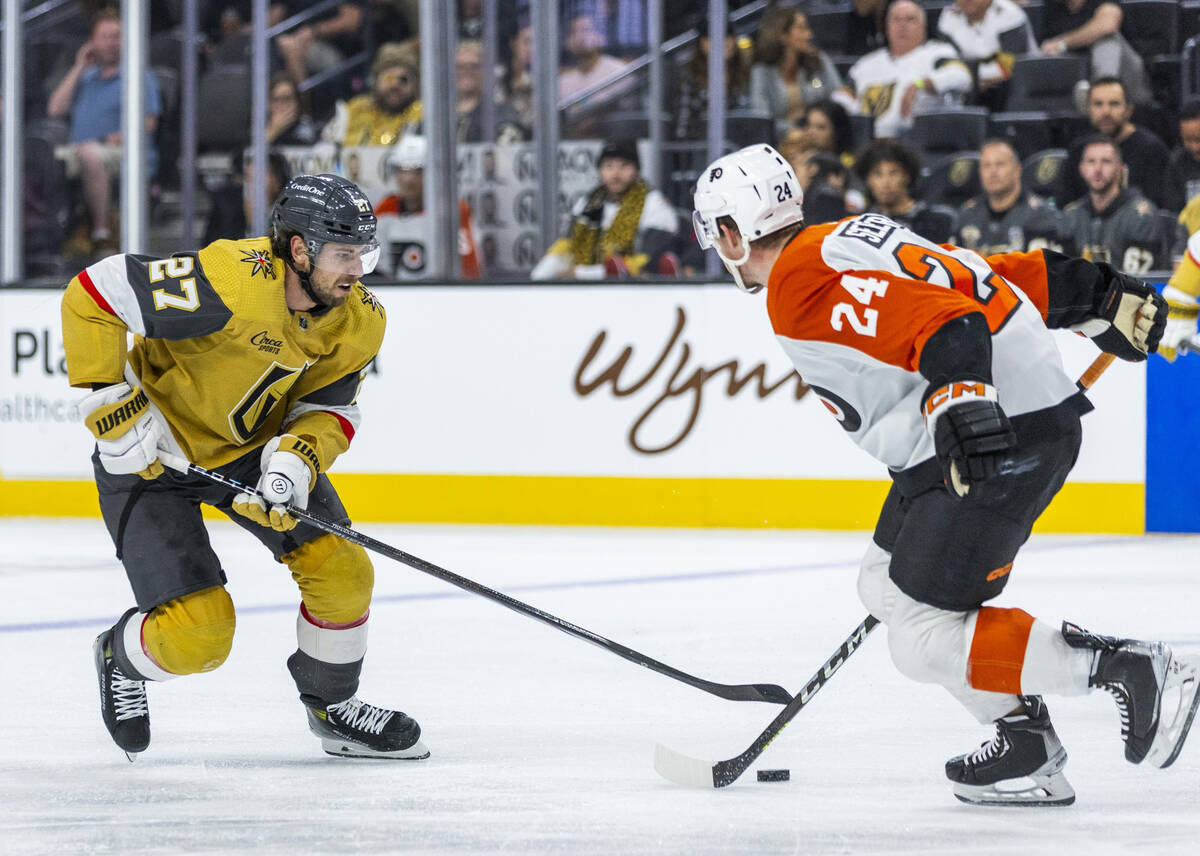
{"x":126,"y":432}
{"x":1182,"y":310}
{"x":289,"y":468}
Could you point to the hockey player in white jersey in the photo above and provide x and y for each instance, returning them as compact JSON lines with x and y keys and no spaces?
{"x":941,"y":364}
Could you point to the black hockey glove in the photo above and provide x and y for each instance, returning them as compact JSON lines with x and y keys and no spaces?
{"x":1128,"y":316}
{"x":971,"y":434}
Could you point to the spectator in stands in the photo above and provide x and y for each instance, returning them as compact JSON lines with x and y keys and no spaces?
{"x":403,"y":229}
{"x":470,"y":19}
{"x":989,"y":35}
{"x":516,"y":78}
{"x":468,"y":71}
{"x":1109,"y":111}
{"x":828,"y":194}
{"x":790,"y":71}
{"x":1005,"y":218}
{"x":392,"y":20}
{"x":1181,"y":183}
{"x":825,"y":127}
{"x":1093,"y":28}
{"x":909,"y":76}
{"x":690,"y":97}
{"x":890,"y":170}
{"x":90,"y":94}
{"x":1111,"y":223}
{"x":591,"y":65}
{"x":380,"y":117}
{"x":866,"y":29}
{"x":230,"y":204}
{"x":821,"y":136}
{"x":621,"y":228}
{"x":287,"y":122}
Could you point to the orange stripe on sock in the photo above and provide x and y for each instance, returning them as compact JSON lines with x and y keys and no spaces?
{"x":998,"y":649}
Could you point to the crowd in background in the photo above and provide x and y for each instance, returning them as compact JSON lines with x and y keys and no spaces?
{"x":896,"y":106}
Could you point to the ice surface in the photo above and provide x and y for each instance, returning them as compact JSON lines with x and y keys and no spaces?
{"x":542,"y":743}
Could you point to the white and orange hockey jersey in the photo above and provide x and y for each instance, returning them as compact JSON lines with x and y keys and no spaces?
{"x":854,"y":303}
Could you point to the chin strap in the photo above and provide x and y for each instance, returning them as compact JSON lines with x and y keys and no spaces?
{"x":306,"y":285}
{"x":733,"y":265}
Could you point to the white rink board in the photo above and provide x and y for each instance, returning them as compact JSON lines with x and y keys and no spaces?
{"x":478,"y":380}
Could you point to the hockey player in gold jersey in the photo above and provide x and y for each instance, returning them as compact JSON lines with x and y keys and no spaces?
{"x":247,"y":358}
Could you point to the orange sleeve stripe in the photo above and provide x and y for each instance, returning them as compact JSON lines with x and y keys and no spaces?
{"x":1027,"y":271}
{"x":998,"y":649}
{"x":90,"y":288}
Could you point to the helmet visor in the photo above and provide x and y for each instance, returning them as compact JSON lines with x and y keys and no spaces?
{"x":348,"y":259}
{"x":706,"y":230}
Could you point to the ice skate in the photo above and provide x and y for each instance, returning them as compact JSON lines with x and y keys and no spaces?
{"x":1155,"y":692}
{"x":122,"y":700}
{"x":355,"y":729}
{"x":1022,"y":765}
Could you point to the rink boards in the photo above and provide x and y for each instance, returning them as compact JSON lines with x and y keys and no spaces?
{"x":591,"y":405}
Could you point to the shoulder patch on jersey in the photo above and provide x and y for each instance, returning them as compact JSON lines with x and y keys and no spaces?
{"x":369,"y":299}
{"x":1142,"y":207}
{"x":261,"y":261}
{"x":176,"y":299}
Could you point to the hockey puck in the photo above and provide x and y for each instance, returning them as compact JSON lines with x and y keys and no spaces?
{"x":774,"y":775}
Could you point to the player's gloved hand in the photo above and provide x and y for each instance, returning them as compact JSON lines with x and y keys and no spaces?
{"x":1129,"y":317}
{"x":1182,"y":310}
{"x":971,"y":434}
{"x":126,"y":432}
{"x":289,"y":467}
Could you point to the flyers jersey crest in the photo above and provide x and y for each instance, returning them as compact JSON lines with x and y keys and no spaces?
{"x":218,"y":352}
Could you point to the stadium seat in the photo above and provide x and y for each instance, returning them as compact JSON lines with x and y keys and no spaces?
{"x":1035,"y":10}
{"x":223,"y":100}
{"x":862,"y":129}
{"x":1151,"y":27}
{"x":944,"y":132}
{"x":830,"y":27}
{"x":939,"y":223}
{"x":1028,"y":131}
{"x":1041,"y":173}
{"x":745,"y":128}
{"x":1046,"y":82}
{"x":951,"y":180}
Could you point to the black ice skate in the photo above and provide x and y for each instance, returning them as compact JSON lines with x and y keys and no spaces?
{"x":1022,"y":765}
{"x":1155,"y":692}
{"x":355,"y":729}
{"x":122,"y":700}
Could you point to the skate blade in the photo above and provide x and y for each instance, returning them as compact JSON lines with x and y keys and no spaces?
{"x":1180,"y":699}
{"x":132,"y":756}
{"x":345,"y":749}
{"x":1029,"y":791}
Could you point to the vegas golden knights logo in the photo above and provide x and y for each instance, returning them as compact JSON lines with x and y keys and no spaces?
{"x":254,"y":408}
{"x":876,"y":100}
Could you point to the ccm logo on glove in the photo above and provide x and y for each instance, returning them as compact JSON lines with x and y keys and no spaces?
{"x":951,"y":392}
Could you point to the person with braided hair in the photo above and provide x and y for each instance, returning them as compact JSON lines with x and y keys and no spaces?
{"x":623,"y":227}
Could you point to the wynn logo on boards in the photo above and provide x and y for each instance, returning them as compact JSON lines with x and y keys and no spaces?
{"x":673,"y":375}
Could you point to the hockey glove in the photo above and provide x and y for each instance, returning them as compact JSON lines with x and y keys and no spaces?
{"x":1128,"y":317}
{"x":971,"y":434}
{"x":1182,"y":310}
{"x":289,"y":468}
{"x":126,"y":432}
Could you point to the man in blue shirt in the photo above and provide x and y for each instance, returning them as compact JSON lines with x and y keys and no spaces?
{"x":90,"y":94}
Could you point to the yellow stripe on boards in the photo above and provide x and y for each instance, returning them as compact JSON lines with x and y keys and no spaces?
{"x":610,"y":501}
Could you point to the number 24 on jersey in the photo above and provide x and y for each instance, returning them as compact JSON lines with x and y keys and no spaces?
{"x":862,"y":289}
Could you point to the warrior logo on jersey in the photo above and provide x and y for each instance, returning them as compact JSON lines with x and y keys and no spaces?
{"x":256,"y":405}
{"x":261,"y":261}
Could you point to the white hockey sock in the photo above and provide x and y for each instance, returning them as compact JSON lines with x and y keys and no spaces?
{"x":135,"y":651}
{"x":329,"y":642}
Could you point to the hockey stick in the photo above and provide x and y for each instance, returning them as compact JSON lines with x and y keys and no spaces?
{"x":697,"y":773}
{"x":734,"y":692}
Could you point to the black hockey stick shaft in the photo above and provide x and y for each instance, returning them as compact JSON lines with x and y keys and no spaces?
{"x":726,"y":772}
{"x":771,"y":693}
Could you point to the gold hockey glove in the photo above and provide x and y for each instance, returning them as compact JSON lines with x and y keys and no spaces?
{"x":1182,"y":311}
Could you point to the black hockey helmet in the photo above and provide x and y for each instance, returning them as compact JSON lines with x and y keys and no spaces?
{"x":324,"y":209}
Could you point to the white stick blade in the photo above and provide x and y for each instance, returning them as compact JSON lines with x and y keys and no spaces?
{"x":681,"y":769}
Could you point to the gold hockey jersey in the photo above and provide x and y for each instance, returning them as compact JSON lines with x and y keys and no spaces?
{"x":217,"y":350}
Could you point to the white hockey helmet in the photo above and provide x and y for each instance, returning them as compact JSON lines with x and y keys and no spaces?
{"x":410,"y":152}
{"x":754,"y":186}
